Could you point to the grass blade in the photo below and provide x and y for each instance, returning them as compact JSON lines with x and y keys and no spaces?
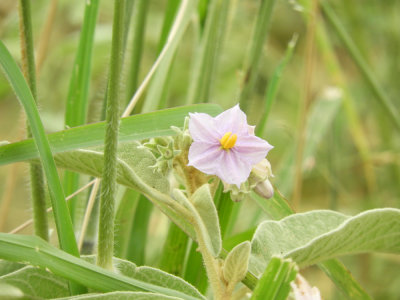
{"x":321,"y":116}
{"x":274,"y":283}
{"x":157,"y":86}
{"x":366,"y":71}
{"x":350,"y":288}
{"x":139,"y":26}
{"x":253,"y":59}
{"x":37,"y":252}
{"x":123,"y":222}
{"x":174,"y":251}
{"x":138,"y":233}
{"x":136,"y":127}
{"x":170,"y":13}
{"x":206,"y":60}
{"x":78,"y":93}
{"x":61,"y":214}
{"x":272,"y":88}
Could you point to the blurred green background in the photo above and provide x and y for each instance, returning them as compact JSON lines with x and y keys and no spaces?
{"x":340,"y":174}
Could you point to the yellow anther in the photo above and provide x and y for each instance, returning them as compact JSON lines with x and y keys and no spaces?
{"x":228,"y":140}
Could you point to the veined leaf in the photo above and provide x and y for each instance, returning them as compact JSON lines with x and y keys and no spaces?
{"x":203,"y":202}
{"x":136,"y":127}
{"x":316,"y":236}
{"x":151,"y":275}
{"x":9,"y":267}
{"x":133,"y":171}
{"x":236,"y":263}
{"x":203,"y":210}
{"x":37,"y":283}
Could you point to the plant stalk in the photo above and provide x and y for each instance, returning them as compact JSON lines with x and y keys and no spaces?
{"x":108,"y":188}
{"x":211,"y":265}
{"x":28,"y":69}
{"x":139,"y":26}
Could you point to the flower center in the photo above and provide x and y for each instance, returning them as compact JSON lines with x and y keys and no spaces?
{"x":228,"y":140}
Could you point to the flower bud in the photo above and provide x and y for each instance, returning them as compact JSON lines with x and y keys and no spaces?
{"x":260,"y":172}
{"x":264,"y":189}
{"x":259,"y":179}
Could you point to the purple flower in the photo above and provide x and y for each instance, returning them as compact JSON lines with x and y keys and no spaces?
{"x":225,"y":145}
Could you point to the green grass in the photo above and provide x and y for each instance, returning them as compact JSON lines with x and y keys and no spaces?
{"x":221,"y":52}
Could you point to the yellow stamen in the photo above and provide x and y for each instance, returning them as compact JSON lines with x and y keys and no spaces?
{"x":228,"y":140}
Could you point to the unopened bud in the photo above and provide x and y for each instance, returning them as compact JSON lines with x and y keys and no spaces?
{"x":260,"y":173}
{"x":264,"y":189}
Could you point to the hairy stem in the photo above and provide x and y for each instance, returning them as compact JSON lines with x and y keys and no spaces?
{"x":211,"y":265}
{"x":106,"y":222}
{"x":36,"y":172}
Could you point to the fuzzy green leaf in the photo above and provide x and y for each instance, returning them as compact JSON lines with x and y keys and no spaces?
{"x":204,"y":212}
{"x":152,"y":275}
{"x":9,"y":267}
{"x":133,"y":169}
{"x":37,"y":283}
{"x":91,"y":162}
{"x":237,"y":262}
{"x":10,"y":292}
{"x":204,"y":205}
{"x":316,"y":236}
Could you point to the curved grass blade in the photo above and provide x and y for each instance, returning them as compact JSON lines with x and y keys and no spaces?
{"x":157,"y":85}
{"x":335,"y":270}
{"x":252,"y":62}
{"x":272,"y":88}
{"x":135,"y":127}
{"x":62,"y":218}
{"x":78,"y":93}
{"x":366,"y":71}
{"x":37,"y":252}
{"x":139,"y":27}
{"x":206,"y":59}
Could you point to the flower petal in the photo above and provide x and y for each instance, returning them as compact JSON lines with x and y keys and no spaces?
{"x":232,"y":169}
{"x":205,"y":157}
{"x":251,"y":149}
{"x":232,"y":120}
{"x":202,"y":127}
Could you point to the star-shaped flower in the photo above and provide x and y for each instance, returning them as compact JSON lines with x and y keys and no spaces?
{"x":225,"y":146}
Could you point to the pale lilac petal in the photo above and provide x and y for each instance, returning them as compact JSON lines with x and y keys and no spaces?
{"x":232,"y":169}
{"x":232,"y":166}
{"x":205,"y":157}
{"x":232,"y":120}
{"x":251,"y":149}
{"x":202,"y":127}
{"x":251,"y":129}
